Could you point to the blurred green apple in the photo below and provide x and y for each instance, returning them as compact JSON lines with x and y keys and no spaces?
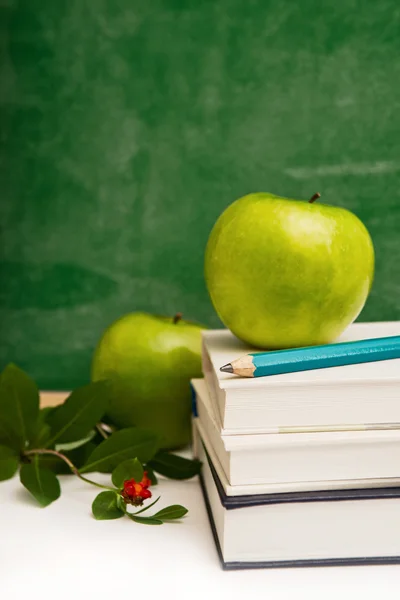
{"x":150,"y":361}
{"x":283,"y":273}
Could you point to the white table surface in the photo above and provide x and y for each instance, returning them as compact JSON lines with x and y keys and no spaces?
{"x":61,"y":552}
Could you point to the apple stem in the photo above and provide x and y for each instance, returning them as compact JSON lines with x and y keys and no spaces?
{"x":177,"y":318}
{"x":315,"y":197}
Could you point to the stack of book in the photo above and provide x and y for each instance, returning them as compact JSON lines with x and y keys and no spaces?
{"x":303,"y":468}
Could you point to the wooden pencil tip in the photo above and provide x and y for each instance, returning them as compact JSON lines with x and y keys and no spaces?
{"x":227,"y":368}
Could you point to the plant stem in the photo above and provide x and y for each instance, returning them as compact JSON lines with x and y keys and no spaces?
{"x":177,"y":318}
{"x":99,"y":427}
{"x":315,"y":197}
{"x":71,"y":465}
{"x":146,"y":507}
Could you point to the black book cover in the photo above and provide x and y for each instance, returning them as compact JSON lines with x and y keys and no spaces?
{"x":237,"y":502}
{"x":232,"y":502}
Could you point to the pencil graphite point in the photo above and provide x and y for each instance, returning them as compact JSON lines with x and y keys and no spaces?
{"x":227,"y":368}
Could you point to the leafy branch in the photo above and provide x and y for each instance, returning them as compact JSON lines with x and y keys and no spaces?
{"x":71,"y":438}
{"x":74,"y":470}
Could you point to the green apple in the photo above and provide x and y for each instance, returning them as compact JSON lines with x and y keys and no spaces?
{"x":150,"y":361}
{"x":283,"y":273}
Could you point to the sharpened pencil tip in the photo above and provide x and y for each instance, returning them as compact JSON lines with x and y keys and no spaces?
{"x":227,"y":368}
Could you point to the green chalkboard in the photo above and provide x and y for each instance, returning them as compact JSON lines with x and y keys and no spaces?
{"x":128,"y":126}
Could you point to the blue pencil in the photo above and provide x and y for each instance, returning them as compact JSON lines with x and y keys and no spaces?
{"x":262,"y":364}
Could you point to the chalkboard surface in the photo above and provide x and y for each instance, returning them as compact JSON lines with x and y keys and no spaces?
{"x":128,"y":126}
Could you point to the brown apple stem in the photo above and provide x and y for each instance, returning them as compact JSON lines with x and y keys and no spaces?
{"x":177,"y":318}
{"x":315,"y":197}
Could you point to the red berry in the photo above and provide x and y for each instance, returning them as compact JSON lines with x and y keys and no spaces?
{"x":145,"y":494}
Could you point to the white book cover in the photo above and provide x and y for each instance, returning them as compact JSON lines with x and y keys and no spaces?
{"x":337,"y":397}
{"x":299,"y":458}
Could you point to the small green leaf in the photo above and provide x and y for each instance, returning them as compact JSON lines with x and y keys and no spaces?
{"x":8,"y":463}
{"x":41,"y":483}
{"x":129,"y":469}
{"x":79,"y":414}
{"x":175,"y":467}
{"x":121,"y":445}
{"x":146,"y":520}
{"x":150,"y":474}
{"x":121,"y":504}
{"x":175,"y":511}
{"x":105,"y":506}
{"x":19,"y":407}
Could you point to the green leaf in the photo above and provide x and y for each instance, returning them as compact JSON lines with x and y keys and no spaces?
{"x":19,"y":407}
{"x":175,"y":467}
{"x":46,"y":411}
{"x":175,"y":511}
{"x":79,"y":414}
{"x":42,"y":436}
{"x":121,"y":445}
{"x":129,"y":469}
{"x":41,"y":483}
{"x":150,"y":474}
{"x":146,"y":520}
{"x":68,"y":446}
{"x":78,"y":457}
{"x":105,"y":506}
{"x":42,"y":429}
{"x":108,"y":421}
{"x":8,"y":463}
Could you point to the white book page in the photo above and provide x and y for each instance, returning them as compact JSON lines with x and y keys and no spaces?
{"x":223,"y":347}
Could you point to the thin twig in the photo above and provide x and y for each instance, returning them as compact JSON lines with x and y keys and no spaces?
{"x":99,"y":427}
